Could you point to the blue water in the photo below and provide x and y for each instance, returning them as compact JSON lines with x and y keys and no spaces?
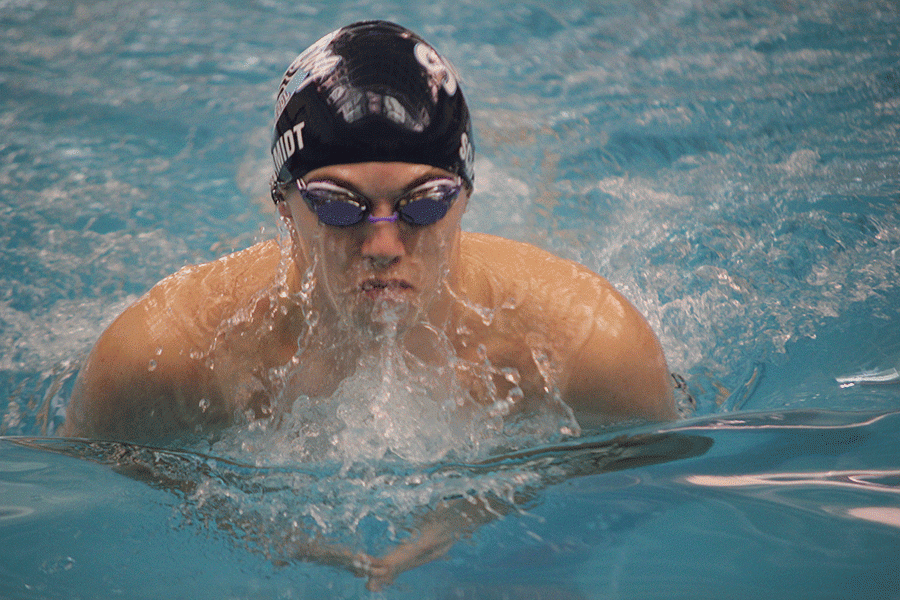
{"x":733,"y":167}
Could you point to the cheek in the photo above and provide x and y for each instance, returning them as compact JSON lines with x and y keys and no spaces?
{"x":335,"y":252}
{"x":340,"y":265}
{"x":435,"y":251}
{"x":293,"y":215}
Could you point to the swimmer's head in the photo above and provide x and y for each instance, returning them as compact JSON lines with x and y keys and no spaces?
{"x":371,"y":92}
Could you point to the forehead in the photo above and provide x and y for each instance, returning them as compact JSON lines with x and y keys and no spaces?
{"x":378,"y":178}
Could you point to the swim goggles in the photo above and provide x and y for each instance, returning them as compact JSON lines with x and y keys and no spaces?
{"x":339,"y":207}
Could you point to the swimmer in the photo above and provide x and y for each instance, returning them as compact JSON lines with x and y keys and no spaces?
{"x":373,"y":170}
{"x":373,"y":161}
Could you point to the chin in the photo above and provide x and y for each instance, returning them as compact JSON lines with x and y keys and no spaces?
{"x":382,"y":316}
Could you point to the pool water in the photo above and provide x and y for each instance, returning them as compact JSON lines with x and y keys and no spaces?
{"x":733,"y":167}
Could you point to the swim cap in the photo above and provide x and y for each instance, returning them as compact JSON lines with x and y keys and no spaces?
{"x":371,"y":91}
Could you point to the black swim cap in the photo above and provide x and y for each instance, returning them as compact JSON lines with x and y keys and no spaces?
{"x":371,"y":91}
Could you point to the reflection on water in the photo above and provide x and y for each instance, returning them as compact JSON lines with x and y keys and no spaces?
{"x":805,"y":490}
{"x":891,"y":375}
{"x":886,"y":515}
{"x":866,"y":480}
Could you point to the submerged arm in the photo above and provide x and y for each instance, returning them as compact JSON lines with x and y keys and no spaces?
{"x":438,"y":531}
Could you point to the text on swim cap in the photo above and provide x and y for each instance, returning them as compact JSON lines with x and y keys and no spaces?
{"x":290,"y":142}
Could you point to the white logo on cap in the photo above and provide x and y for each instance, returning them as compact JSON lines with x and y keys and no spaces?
{"x":466,"y":152}
{"x":323,"y":61}
{"x":439,"y":70}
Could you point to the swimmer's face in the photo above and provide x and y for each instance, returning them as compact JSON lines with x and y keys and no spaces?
{"x":378,"y":271}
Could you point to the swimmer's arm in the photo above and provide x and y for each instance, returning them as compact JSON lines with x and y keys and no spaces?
{"x":619,"y":371}
{"x":138,"y":386}
{"x":436,"y":534}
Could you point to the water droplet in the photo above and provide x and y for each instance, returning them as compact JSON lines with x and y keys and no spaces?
{"x":60,"y":564}
{"x":151,"y":366}
{"x":511,"y":375}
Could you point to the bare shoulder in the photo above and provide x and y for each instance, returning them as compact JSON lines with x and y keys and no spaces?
{"x":611,"y":364}
{"x":145,"y":368}
{"x":554,"y":285}
{"x":186,"y":308}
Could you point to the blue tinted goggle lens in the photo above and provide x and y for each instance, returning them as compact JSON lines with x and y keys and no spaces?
{"x":339,"y":207}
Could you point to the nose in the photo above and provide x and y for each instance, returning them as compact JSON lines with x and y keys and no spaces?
{"x":382,"y":243}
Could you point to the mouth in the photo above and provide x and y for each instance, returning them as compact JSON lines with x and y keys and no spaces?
{"x":386,"y":288}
